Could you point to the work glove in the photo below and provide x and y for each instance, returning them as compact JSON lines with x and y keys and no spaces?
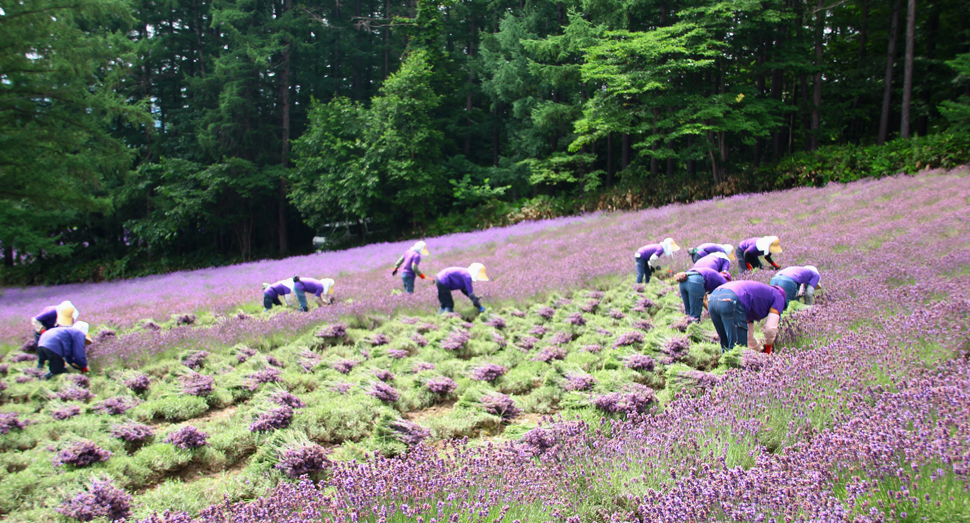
{"x":750,"y":267}
{"x":767,"y":349}
{"x":432,"y":281}
{"x":85,"y":370}
{"x":775,"y":265}
{"x":423,"y":277}
{"x":394,"y":272}
{"x":481,"y":309}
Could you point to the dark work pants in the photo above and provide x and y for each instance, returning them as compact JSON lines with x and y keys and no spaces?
{"x":44,"y":355}
{"x":729,"y":317}
{"x":444,"y":298}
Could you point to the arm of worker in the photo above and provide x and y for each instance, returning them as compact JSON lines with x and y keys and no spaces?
{"x":654,"y":261}
{"x":417,"y":271}
{"x":809,"y":295}
{"x":38,"y":326}
{"x":771,"y":327}
{"x":397,"y":265}
{"x":772,"y":262}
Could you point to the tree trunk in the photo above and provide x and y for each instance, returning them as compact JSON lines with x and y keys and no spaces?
{"x":817,"y":80}
{"x":671,"y":161}
{"x":777,"y":88}
{"x":908,"y":68}
{"x":854,"y":128}
{"x":887,"y":92}
{"x":471,"y":84}
{"x":284,"y":235}
{"x":8,"y":255}
{"x":654,"y":162}
{"x":933,"y":25}
{"x":609,"y":159}
{"x":387,"y":39}
{"x":496,"y":134}
{"x":336,"y":49}
{"x":359,"y":37}
{"x":691,"y":163}
{"x":625,"y":152}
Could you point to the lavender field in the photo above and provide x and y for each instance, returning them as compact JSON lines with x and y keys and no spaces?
{"x":577,"y":395}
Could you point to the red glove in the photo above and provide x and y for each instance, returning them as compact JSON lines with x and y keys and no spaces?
{"x":750,"y":267}
{"x":767,"y":349}
{"x":394,"y":272}
{"x":775,"y":265}
{"x":423,"y":277}
{"x":85,"y":369}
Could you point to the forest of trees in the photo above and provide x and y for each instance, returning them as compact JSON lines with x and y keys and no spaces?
{"x":140,"y":136}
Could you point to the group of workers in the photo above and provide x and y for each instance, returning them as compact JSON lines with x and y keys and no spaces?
{"x":61,"y":339}
{"x":446,"y":281}
{"x":734,"y":306}
{"x":294,"y":291}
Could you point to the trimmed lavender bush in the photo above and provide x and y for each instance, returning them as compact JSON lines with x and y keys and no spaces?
{"x":101,"y":499}
{"x":150,"y":325}
{"x":590,"y":306}
{"x":545,"y":438}
{"x":617,"y":314}
{"x":640,"y":362}
{"x":399,"y":354}
{"x":116,"y":405}
{"x":345,"y":366}
{"x":82,"y":454}
{"x":132,"y":432}
{"x":138,"y":383}
{"x":29,"y":346}
{"x":500,"y":405}
{"x":267,"y":375}
{"x":379,"y":339}
{"x":538,"y":331}
{"x":643,"y":304}
{"x":579,"y":382}
{"x":499,"y":339}
{"x":425,"y":327}
{"x":634,"y":399}
{"x":384,"y":392}
{"x":419,"y":340}
{"x":187,"y":438}
{"x":336,"y":330}
{"x":441,"y":385}
{"x":196,"y":360}
{"x":105,"y":335}
{"x":10,"y":421}
{"x":196,"y":384}
{"x":245,"y":353}
{"x":22,"y":357}
{"x":552,"y":352}
{"x":576,"y":319}
{"x":421,"y":366}
{"x":497,"y":322}
{"x":384,"y":375}
{"x":302,"y":461}
{"x":630,"y":338}
{"x":278,"y":418}
{"x":643,"y":325}
{"x":272,"y":360}
{"x":288,"y":399}
{"x":456,"y":340}
{"x":79,"y":380}
{"x":561,"y":338}
{"x":408,"y":432}
{"x":185,"y":319}
{"x":341,"y":387}
{"x":64,"y":413}
{"x":546,"y":313}
{"x":675,"y":349}
{"x":593,"y":348}
{"x":527,"y":342}
{"x":74,"y":394}
{"x":489,"y":372}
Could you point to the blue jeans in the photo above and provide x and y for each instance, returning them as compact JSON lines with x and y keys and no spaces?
{"x":643,"y":271}
{"x":789,"y":285}
{"x":301,"y":297}
{"x":269,"y":301}
{"x":408,"y":283}
{"x":692,"y":292}
{"x":54,"y":360}
{"x":729,"y":317}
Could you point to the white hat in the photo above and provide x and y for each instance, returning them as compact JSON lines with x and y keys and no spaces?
{"x":477,"y":271}
{"x":85,"y":328}
{"x":421,"y":248}
{"x":669,"y":246}
{"x":67,"y":314}
{"x":768,"y":245}
{"x":815,"y":270}
{"x":265,"y":286}
{"x":328,"y":285}
{"x":720,"y":255}
{"x":729,"y":250}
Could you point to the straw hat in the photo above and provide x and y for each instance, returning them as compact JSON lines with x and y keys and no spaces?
{"x":328,"y":285}
{"x":421,"y":248}
{"x":84,"y":327}
{"x":477,"y":270}
{"x":729,"y":250}
{"x":669,"y":246}
{"x":768,"y":245}
{"x":67,"y":314}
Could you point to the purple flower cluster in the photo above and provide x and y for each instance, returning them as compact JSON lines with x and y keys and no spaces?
{"x":196,"y":384}
{"x":187,"y":438}
{"x":579,"y":381}
{"x":517,"y":313}
{"x":419,"y":340}
{"x":497,"y":322}
{"x":81,"y":454}
{"x":561,"y":338}
{"x":379,"y":339}
{"x":278,"y":418}
{"x":245,"y":353}
{"x":408,"y":432}
{"x":345,"y":366}
{"x":675,"y":349}
{"x":185,"y":319}
{"x":400,"y":353}
{"x":456,"y":340}
{"x":426,"y":327}
{"x":64,"y":413}
{"x":643,"y":325}
{"x":546,"y":313}
{"x":10,"y":421}
{"x":384,"y":392}
{"x":552,"y":352}
{"x":629,"y":338}
{"x":341,"y":387}
{"x":500,"y":405}
{"x":384,"y":375}
{"x":22,"y":357}
{"x":643,"y":304}
{"x":150,"y":325}
{"x":79,"y":380}
{"x":576,"y":319}
{"x":682,"y":324}
{"x":132,"y":432}
{"x":527,"y":342}
{"x":29,"y":346}
{"x":301,"y":461}
{"x":538,"y":331}
{"x":336,"y":330}
{"x":441,"y":385}
{"x":272,"y":360}
{"x":138,"y":383}
{"x":116,"y":405}
{"x":267,"y":375}
{"x":593,"y":348}
{"x":105,"y":335}
{"x":422,"y":366}
{"x":590,"y":306}
{"x":499,"y":339}
{"x":196,"y":360}
{"x":288,"y":399}
{"x":102,"y":499}
{"x":74,"y":394}
{"x":489,"y":372}
{"x":634,"y":399}
{"x":617,"y":314}
{"x":639,"y":361}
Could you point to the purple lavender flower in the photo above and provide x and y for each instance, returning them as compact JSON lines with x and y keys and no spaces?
{"x":305,"y":460}
{"x":101,"y":499}
{"x":517,"y":313}
{"x":441,"y":385}
{"x":496,"y":322}
{"x":150,"y":325}
{"x":384,"y":392}
{"x":267,"y":375}
{"x":79,"y":380}
{"x":643,"y":304}
{"x":21,"y":357}
{"x":675,"y":349}
{"x":456,"y":340}
{"x":408,"y":432}
{"x":499,"y":339}
{"x":603,"y":332}
{"x":244,"y":354}
{"x":196,"y":360}
{"x":341,"y":387}
{"x":425,"y":327}
{"x":187,"y":438}
{"x":500,"y":405}
{"x":138,"y":383}
{"x":384,"y":375}
{"x":185,"y":319}
{"x":407,"y":320}
{"x":287,"y":398}
{"x":643,"y":325}
{"x":579,"y":381}
{"x":345,"y":366}
{"x":682,"y":324}
{"x":546,"y":313}
{"x":272,"y":360}
{"x":196,"y":384}
{"x":639,"y":287}
{"x":278,"y":418}
{"x":379,"y":339}
{"x":630,"y":338}
{"x":35,"y":372}
{"x":576,"y":319}
{"x":4,"y":368}
{"x":594,"y":348}
{"x":421,"y":366}
{"x":132,"y":432}
{"x":336,"y":330}
{"x":489,"y":372}
{"x":400,"y":353}
{"x":639,"y":361}
{"x":562,"y":338}
{"x":29,"y":346}
{"x":635,"y":399}
{"x":527,"y":342}
{"x":65,"y":412}
{"x":538,"y":331}
{"x":74,"y":394}
{"x":542,"y":439}
{"x":596,"y":295}
{"x":616,"y":314}
{"x":81,"y":454}
{"x":116,"y":405}
{"x":590,"y":306}
{"x":105,"y":335}
{"x":24,"y":379}
{"x":552,"y":352}
{"x":10,"y":421}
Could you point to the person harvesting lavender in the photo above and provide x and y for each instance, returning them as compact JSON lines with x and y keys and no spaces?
{"x":717,"y":261}
{"x":410,"y":262}
{"x":753,"y":249}
{"x":314,"y":287}
{"x":459,"y":279}
{"x":63,"y":315}
{"x":648,"y":258}
{"x":706,"y":249}
{"x":736,"y":305}
{"x":273,"y":292}
{"x":694,"y":284}
{"x":798,"y":282}
{"x":64,"y":344}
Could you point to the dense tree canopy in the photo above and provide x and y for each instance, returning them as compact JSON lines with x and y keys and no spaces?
{"x":138,"y":136}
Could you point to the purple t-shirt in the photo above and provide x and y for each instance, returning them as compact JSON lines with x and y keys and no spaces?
{"x":757,"y":298}
{"x":277,"y":289}
{"x":712,"y":278}
{"x":66,"y":342}
{"x":801,"y":275}
{"x":456,"y":279}
{"x":709,"y":248}
{"x":647,"y":251}
{"x":310,"y":286}
{"x":412,"y":257}
{"x":715,"y":263}
{"x":750,"y":246}
{"x":47,"y":317}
